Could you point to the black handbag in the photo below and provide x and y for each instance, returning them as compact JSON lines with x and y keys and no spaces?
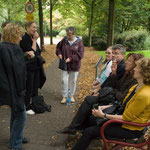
{"x":110,"y":110}
{"x":62,"y":64}
{"x":117,"y":108}
{"x":106,"y":96}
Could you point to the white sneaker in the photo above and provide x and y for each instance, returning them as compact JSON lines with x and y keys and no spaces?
{"x":30,"y":112}
{"x":63,"y":101}
{"x":72,"y":100}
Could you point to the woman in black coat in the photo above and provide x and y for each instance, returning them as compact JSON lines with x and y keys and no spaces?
{"x":34,"y":64}
{"x":12,"y":78}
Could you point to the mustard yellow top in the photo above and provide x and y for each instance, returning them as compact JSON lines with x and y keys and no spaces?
{"x":138,"y":108}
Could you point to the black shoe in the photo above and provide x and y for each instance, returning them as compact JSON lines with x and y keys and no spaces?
{"x":25,"y":140}
{"x":67,"y":131}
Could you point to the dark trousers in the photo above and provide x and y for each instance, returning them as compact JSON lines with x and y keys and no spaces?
{"x":82,"y":119}
{"x":111,"y":131}
{"x":17,"y":123}
{"x":32,"y":85}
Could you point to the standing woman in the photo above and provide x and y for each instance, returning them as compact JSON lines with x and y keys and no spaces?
{"x":35,"y":72}
{"x":12,"y":78}
{"x":70,"y":49}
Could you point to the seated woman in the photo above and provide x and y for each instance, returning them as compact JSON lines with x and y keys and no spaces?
{"x":136,"y":110}
{"x":120,"y":88}
{"x":105,"y":72}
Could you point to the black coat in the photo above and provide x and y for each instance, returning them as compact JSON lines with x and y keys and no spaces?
{"x":119,"y":74}
{"x":35,"y":63}
{"x":12,"y":76}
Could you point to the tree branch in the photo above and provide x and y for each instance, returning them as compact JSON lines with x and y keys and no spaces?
{"x":86,"y":2}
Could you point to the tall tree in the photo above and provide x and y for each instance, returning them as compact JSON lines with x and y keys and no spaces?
{"x":52,"y":3}
{"x":92,"y":6}
{"x":110,"y":37}
{"x":41,"y":22}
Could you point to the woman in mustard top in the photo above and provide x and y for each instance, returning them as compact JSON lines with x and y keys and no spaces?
{"x":136,"y":110}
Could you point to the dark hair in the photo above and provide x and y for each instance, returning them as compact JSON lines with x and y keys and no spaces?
{"x":135,"y":56}
{"x":28,"y":24}
{"x":119,"y":47}
{"x":4,"y":24}
{"x":71,"y":29}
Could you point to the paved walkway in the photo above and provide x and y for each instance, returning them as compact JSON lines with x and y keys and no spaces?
{"x":41,"y":128}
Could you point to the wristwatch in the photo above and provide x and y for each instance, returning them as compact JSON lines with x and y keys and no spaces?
{"x":105,"y":116}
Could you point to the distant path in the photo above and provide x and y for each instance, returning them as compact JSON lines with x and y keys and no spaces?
{"x":47,"y":40}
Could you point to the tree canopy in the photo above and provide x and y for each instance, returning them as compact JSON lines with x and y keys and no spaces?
{"x":85,"y":15}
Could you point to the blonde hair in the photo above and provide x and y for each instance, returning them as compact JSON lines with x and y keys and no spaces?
{"x":28,"y":24}
{"x":144,"y":65}
{"x":11,"y":32}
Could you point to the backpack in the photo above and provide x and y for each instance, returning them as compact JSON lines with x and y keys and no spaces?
{"x":39,"y":106}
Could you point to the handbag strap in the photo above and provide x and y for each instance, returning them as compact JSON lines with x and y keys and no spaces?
{"x":128,"y":98}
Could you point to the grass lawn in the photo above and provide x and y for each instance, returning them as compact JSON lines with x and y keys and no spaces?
{"x":146,"y":53}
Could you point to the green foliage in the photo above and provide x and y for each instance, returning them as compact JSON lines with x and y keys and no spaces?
{"x":133,"y":40}
{"x":146,"y":53}
{"x":54,"y":32}
{"x":98,"y":43}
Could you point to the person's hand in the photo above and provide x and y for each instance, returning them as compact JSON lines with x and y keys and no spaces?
{"x":60,"y":56}
{"x":95,"y":82}
{"x":104,"y":107}
{"x":98,"y":112}
{"x":68,"y":60}
{"x":114,"y":67}
{"x":31,"y":54}
{"x":35,"y":36}
{"x":98,"y":86}
{"x":95,"y":92}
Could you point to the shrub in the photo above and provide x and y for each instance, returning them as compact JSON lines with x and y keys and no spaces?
{"x":85,"y":40}
{"x":132,"y":40}
{"x":98,"y":43}
{"x":54,"y":32}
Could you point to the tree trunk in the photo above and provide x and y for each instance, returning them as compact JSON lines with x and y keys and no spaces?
{"x":9,"y":18}
{"x":91,"y":24}
{"x":148,"y":27}
{"x":110,"y":37}
{"x":41,"y":23}
{"x":51,"y":27}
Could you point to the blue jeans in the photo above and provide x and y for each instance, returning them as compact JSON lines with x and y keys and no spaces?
{"x":17,"y":123}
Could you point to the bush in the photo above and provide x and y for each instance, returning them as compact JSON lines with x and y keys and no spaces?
{"x":85,"y":40}
{"x":133,"y":40}
{"x":54,"y":32}
{"x":98,"y":43}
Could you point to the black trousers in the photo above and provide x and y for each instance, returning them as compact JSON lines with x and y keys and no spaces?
{"x":111,"y":131}
{"x":82,"y":119}
{"x":32,"y":85}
